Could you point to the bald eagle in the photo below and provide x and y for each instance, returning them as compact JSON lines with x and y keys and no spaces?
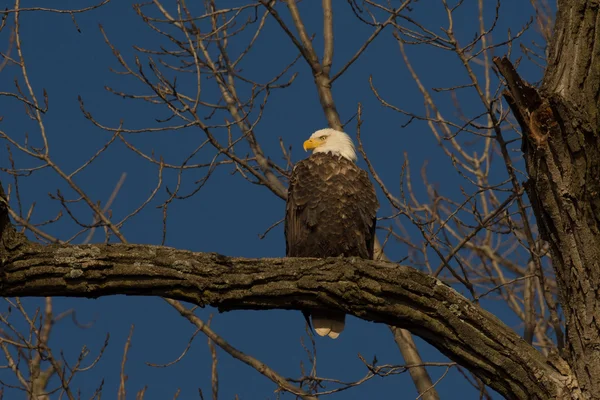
{"x":330,"y":211}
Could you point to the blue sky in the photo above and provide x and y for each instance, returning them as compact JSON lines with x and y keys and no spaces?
{"x":228,"y":214}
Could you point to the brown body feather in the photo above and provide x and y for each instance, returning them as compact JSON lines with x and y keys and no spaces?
{"x":330,"y":212}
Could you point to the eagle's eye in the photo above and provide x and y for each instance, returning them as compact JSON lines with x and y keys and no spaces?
{"x":323,"y":137}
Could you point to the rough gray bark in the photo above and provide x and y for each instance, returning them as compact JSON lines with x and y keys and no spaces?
{"x":376,"y":291}
{"x":561,"y":145}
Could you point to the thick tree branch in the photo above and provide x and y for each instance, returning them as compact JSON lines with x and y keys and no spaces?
{"x":376,"y":291}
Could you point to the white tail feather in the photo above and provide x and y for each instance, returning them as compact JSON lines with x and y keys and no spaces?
{"x":328,"y":323}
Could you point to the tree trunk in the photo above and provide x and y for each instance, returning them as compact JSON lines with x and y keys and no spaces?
{"x":561,"y":145}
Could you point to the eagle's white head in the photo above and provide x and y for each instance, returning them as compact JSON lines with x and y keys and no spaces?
{"x":331,"y":141}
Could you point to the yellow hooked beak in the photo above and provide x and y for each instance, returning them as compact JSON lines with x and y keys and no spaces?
{"x":311,"y":144}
